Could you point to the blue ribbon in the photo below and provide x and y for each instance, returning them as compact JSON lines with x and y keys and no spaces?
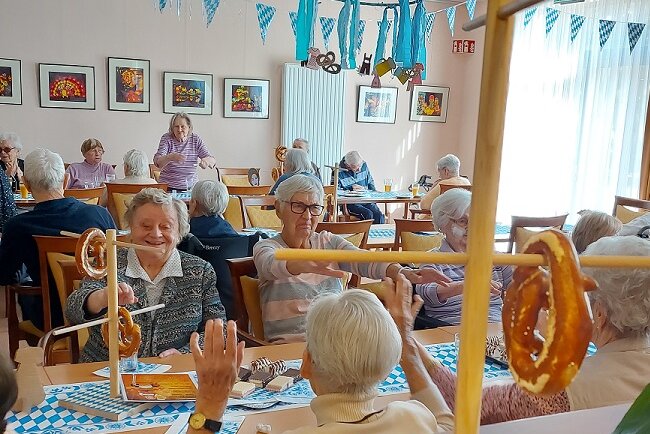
{"x":354,"y":35}
{"x":381,"y":39}
{"x":418,"y":48}
{"x":342,"y":27}
{"x":395,"y":30}
{"x":403,"y":53}
{"x":307,"y":11}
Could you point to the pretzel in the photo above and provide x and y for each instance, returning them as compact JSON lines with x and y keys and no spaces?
{"x":129,"y":333}
{"x":90,"y":254}
{"x":547,"y":367}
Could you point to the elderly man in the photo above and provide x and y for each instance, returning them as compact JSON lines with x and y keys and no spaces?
{"x":448,"y":174}
{"x":304,"y":145}
{"x":44,"y":174}
{"x":355,"y":176}
{"x":10,"y":147}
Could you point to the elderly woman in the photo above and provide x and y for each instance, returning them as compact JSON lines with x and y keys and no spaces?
{"x":305,"y":146}
{"x":448,"y":174}
{"x":136,"y":171}
{"x":179,"y":152}
{"x":450,"y":213}
{"x":209,"y":201}
{"x":287,"y":288}
{"x":296,"y":161}
{"x":619,"y":370}
{"x":592,"y":226}
{"x":10,"y":147}
{"x":92,"y":171}
{"x":352,"y":345}
{"x":7,"y":205}
{"x":184,"y":283}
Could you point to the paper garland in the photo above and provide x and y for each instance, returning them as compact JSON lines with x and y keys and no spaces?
{"x":528,"y":15}
{"x":384,"y":26}
{"x":362,"y":28}
{"x":551,"y":19}
{"x":402,"y":55}
{"x":576,"y":24}
{"x":162,"y":4}
{"x":418,"y":46}
{"x":326,"y":27}
{"x":605,"y":28}
{"x":430,"y":18}
{"x":451,"y":19}
{"x":293,"y":16}
{"x":265,"y":15}
{"x":471,"y":7}
{"x":342,"y":29}
{"x":305,"y":21}
{"x":634,"y":31}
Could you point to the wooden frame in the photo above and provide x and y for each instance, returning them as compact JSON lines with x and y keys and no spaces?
{"x":11,"y":88}
{"x":257,"y":190}
{"x":87,"y":194}
{"x":187,"y":92}
{"x":533,"y":222}
{"x":446,"y":187}
{"x":66,"y":86}
{"x":410,"y":225}
{"x":115,"y":187}
{"x":630,"y":202}
{"x":246,"y":98}
{"x":128,"y":84}
{"x":429,"y":103}
{"x":265,"y":202}
{"x":377,"y":105}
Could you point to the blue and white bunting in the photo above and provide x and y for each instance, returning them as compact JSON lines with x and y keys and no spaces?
{"x":162,"y":4}
{"x":362,"y":28}
{"x":210,"y":8}
{"x":293,"y":16}
{"x":528,"y":15}
{"x":265,"y":15}
{"x":576,"y":24}
{"x":451,"y":19}
{"x":326,"y":27}
{"x":430,"y":18}
{"x":634,"y":31}
{"x":551,"y":19}
{"x":305,"y":23}
{"x":605,"y":28}
{"x":389,"y":23}
{"x":471,"y":7}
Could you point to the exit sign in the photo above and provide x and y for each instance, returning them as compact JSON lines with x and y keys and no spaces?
{"x":463,"y":46}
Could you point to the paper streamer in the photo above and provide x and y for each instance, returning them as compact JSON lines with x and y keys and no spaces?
{"x":293,"y":16}
{"x":605,"y":28}
{"x":418,"y":47}
{"x":551,"y":19}
{"x":384,"y":25}
{"x":576,"y":24}
{"x":362,"y":28}
{"x":430,"y":18}
{"x":634,"y":31}
{"x":528,"y":15}
{"x":305,"y":21}
{"x":402,"y":55}
{"x":342,"y":29}
{"x":388,"y":21}
{"x":265,"y":15}
{"x":354,"y":35}
{"x":395,"y":30}
{"x":326,"y":27}
{"x":471,"y":7}
{"x":451,"y":19}
{"x":162,"y":4}
{"x":210,"y":8}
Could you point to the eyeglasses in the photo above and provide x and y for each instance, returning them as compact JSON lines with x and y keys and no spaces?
{"x":462,"y":222}
{"x":6,"y":150}
{"x":300,"y":208}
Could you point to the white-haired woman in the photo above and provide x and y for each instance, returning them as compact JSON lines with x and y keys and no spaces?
{"x":296,"y":161}
{"x":592,"y":226}
{"x":450,"y":214}
{"x":305,"y":146}
{"x":619,"y":370}
{"x":287,"y":288}
{"x":352,"y":345}
{"x":136,"y":171}
{"x":185,"y":283}
{"x":355,"y":176}
{"x":10,"y":147}
{"x":179,"y":152}
{"x":207,"y":205}
{"x":92,"y":171}
{"x":448,"y":174}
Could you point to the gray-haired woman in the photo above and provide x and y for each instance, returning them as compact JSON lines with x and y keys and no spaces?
{"x":296,"y":161}
{"x":10,"y":147}
{"x":184,"y":283}
{"x":207,"y":205}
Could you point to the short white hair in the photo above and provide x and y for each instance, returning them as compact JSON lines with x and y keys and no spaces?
{"x":299,"y":184}
{"x":136,"y":163}
{"x":352,"y":340}
{"x":180,"y":115}
{"x":161,"y":198}
{"x":297,"y":161}
{"x":13,"y":139}
{"x":354,"y":158}
{"x":623,"y":292}
{"x":211,"y":197}
{"x":451,"y":163}
{"x":44,"y":170}
{"x":304,"y":142}
{"x":592,"y":226}
{"x":452,"y":204}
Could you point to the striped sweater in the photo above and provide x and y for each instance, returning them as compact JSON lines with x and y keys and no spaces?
{"x":285,"y":298}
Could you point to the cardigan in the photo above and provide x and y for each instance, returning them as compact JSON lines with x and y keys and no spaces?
{"x":189,"y":301}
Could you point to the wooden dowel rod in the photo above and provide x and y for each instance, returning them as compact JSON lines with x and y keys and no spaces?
{"x":113,"y":333}
{"x":504,"y":12}
{"x":103,"y":320}
{"x":476,"y":23}
{"x":117,"y":243}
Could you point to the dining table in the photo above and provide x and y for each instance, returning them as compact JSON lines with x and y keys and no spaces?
{"x":402,"y":197}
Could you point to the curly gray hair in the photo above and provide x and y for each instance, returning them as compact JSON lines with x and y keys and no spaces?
{"x":158,"y":197}
{"x":211,"y":197}
{"x":452,"y":204}
{"x":180,"y":115}
{"x":451,"y":163}
{"x":299,"y":184}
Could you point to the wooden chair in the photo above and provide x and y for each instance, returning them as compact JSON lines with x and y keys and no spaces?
{"x":355,"y":232}
{"x":233,"y":214}
{"x":234,"y":176}
{"x":248,"y":190}
{"x":154,"y":172}
{"x":119,"y":196}
{"x":409,"y":235}
{"x":446,"y":187}
{"x":329,"y":201}
{"x":259,"y":211}
{"x":622,"y":209}
{"x":89,"y":195}
{"x":419,"y":212}
{"x":519,"y":233}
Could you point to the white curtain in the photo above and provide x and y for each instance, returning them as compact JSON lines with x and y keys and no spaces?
{"x":576,"y":113}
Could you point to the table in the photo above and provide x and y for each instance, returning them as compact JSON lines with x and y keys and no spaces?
{"x":398,"y":197}
{"x":30,"y":202}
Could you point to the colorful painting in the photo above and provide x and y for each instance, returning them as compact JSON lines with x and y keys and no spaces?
{"x":6,"y":79}
{"x":128,"y":84}
{"x":67,"y":86}
{"x":188,"y":92}
{"x":377,"y":105}
{"x":10,"y":83}
{"x":429,"y":104}
{"x":244,"y":98}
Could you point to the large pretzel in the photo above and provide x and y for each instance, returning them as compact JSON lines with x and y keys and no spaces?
{"x":129,"y":333}
{"x":90,"y":254}
{"x":547,"y":367}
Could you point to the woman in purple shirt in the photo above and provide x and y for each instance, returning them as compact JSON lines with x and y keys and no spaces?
{"x":92,"y":171}
{"x":179,"y":152}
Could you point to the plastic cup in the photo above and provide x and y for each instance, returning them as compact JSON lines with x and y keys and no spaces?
{"x":388,"y":185}
{"x":415,"y":189}
{"x":23,"y":191}
{"x":129,"y":364}
{"x":110,"y":177}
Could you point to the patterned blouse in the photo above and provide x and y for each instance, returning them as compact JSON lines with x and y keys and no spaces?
{"x":7,"y":204}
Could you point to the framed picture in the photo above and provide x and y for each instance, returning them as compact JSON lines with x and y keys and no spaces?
{"x":11,"y":89}
{"x":243,"y":98}
{"x":429,"y":103}
{"x":66,"y":86}
{"x":377,"y":105}
{"x":187,"y":92}
{"x":128,"y":84}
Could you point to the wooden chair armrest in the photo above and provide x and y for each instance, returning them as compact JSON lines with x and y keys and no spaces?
{"x":24,"y":290}
{"x":251,"y":341}
{"x":48,"y":340}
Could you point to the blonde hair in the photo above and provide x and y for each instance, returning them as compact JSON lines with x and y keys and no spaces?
{"x":592,"y":226}
{"x":89,"y":144}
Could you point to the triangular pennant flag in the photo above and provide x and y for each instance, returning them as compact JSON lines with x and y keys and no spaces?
{"x":551,"y":19}
{"x":634,"y":31}
{"x":210,"y":8}
{"x":265,"y":15}
{"x":326,"y":27}
{"x":471,"y":7}
{"x":451,"y":18}
{"x":429,"y":19}
{"x":576,"y":24}
{"x":362,"y":28}
{"x":605,"y":30}
{"x":387,"y":28}
{"x":293,"y":16}
{"x":528,"y":15}
{"x":162,"y":4}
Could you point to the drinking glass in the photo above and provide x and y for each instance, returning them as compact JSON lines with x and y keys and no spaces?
{"x":88,"y":184}
{"x":95,"y":181}
{"x":23,"y":191}
{"x":129,"y":364}
{"x":189,"y":183}
{"x":457,"y":343}
{"x":415,"y":189}
{"x":110,"y":177}
{"x":388,"y":184}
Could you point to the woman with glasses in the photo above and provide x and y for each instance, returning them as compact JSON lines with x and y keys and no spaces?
{"x":10,"y":147}
{"x":91,"y":172}
{"x":288,"y":287}
{"x":442,"y":304}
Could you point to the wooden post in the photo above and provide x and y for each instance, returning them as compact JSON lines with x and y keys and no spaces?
{"x":113,"y":347}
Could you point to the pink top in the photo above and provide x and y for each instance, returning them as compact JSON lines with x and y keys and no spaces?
{"x":174,"y":174}
{"x":84,"y":172}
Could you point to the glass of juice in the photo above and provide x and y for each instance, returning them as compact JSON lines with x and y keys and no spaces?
{"x":23,"y":191}
{"x":415,"y":189}
{"x":388,"y":184}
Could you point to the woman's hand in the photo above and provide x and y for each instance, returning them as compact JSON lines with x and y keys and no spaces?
{"x":169,"y":352}
{"x":322,"y":268}
{"x":357,"y":187}
{"x":98,"y":300}
{"x":175,"y":156}
{"x":207,"y":162}
{"x":11,"y":168}
{"x":401,"y":304}
{"x":426,"y":275}
{"x":456,"y":288}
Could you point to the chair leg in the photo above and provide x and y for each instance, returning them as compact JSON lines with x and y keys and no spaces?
{"x":12,"y":321}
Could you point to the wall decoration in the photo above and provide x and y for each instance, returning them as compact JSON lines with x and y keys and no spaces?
{"x":429,"y":104}
{"x":128,"y":84}
{"x":11,"y":90}
{"x":245,"y":98}
{"x":187,"y":92}
{"x":377,"y":105}
{"x":66,"y":86}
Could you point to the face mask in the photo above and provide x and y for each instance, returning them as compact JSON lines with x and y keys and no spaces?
{"x":458,"y":231}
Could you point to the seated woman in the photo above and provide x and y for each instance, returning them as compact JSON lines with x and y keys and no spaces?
{"x":10,"y":163}
{"x":297,"y":161}
{"x":352,"y":345}
{"x":184,"y":283}
{"x":287,"y":288}
{"x":92,"y":171}
{"x":209,"y":201}
{"x":7,"y":205}
{"x":136,"y":171}
{"x":619,"y":370}
{"x":592,"y":226}
{"x":450,"y":214}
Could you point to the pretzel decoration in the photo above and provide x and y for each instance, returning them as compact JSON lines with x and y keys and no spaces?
{"x":281,"y":153}
{"x":129,"y":333}
{"x":327,"y":62}
{"x":547,"y":367}
{"x":90,"y":254}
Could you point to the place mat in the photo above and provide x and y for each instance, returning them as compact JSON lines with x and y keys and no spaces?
{"x":381,"y":233}
{"x":501,"y":229}
{"x":182,"y":195}
{"x":143,"y":368}
{"x":230,"y":425}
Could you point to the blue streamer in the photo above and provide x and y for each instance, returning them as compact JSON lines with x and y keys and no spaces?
{"x":354,"y":35}
{"x":418,"y":48}
{"x":381,"y":39}
{"x":395,"y":31}
{"x":342,"y":28}
{"x":307,"y":11}
{"x":403,"y":53}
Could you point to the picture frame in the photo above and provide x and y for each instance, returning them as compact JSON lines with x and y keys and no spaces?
{"x":246,"y":98}
{"x":188,"y":92}
{"x":377,"y":105}
{"x":11,"y":88}
{"x":429,"y":103}
{"x":128,"y":84}
{"x":66,"y":86}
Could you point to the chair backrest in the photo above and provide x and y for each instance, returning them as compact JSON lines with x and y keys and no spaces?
{"x":120,"y":195}
{"x":259,"y":211}
{"x":247,"y":300}
{"x":234,"y":176}
{"x":622,"y":209}
{"x":416,"y":235}
{"x":447,"y":187}
{"x":233,"y":213}
{"x":328,"y":201}
{"x":519,"y":233}
{"x":89,"y":195}
{"x":154,"y":172}
{"x":248,"y":190}
{"x":355,"y":232}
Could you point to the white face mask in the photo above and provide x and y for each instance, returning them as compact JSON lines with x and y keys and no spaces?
{"x":458,"y":231}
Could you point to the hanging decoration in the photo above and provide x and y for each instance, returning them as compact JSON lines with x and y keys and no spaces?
{"x":162,"y":4}
{"x":528,"y":16}
{"x":209,"y":9}
{"x":342,"y":28}
{"x":576,"y":24}
{"x":365,"y":65}
{"x":430,"y":18}
{"x":471,"y":7}
{"x":179,"y":3}
{"x":384,"y":25}
{"x":605,"y":28}
{"x":451,"y":19}
{"x":634,"y":31}
{"x":326,"y":27}
{"x":402,"y":54}
{"x":389,"y":22}
{"x":395,"y":30}
{"x":362,"y":28}
{"x":305,"y":21}
{"x":354,"y":34}
{"x":418,"y":47}
{"x":293,"y":16}
{"x":265,"y":15}
{"x":551,"y":19}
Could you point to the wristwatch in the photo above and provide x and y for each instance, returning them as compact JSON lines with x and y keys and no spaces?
{"x":199,"y":421}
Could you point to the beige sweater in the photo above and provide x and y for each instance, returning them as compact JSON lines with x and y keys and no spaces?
{"x":427,"y":199}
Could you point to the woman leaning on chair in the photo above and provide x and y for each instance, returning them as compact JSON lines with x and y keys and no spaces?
{"x":184,"y":283}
